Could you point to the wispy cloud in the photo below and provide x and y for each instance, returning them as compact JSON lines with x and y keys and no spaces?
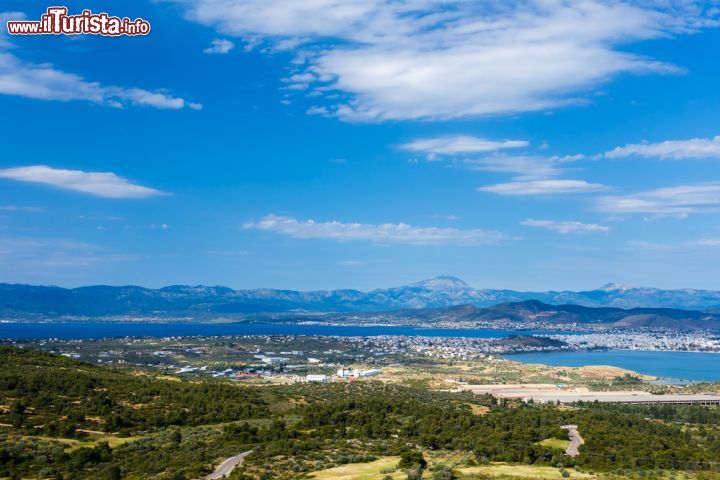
{"x":689,"y":246}
{"x":477,"y":153}
{"x":706,"y":242}
{"x":230,"y":253}
{"x":15,"y":208}
{"x":107,"y":185}
{"x":376,"y":60}
{"x":678,"y":201}
{"x":671,"y":149}
{"x":350,"y":263}
{"x":644,"y":245}
{"x":220,"y":46}
{"x":526,"y":167}
{"x":386,"y":233}
{"x":566,"y":227}
{"x":448,"y":217}
{"x":543,"y":187}
{"x":459,"y":144}
{"x":34,"y":256}
{"x":46,"y":82}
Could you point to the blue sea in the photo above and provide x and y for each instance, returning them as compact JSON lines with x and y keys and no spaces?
{"x":672,"y":365}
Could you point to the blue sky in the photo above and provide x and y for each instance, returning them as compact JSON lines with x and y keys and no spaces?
{"x":362,"y":144}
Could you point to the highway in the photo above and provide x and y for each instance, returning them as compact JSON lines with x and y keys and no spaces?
{"x":227,"y":466}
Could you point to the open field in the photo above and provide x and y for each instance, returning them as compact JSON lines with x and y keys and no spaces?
{"x":520,"y":472}
{"x":362,"y":471}
{"x":498,"y":370}
{"x":93,"y":441}
{"x":555,"y":443}
{"x":378,"y":469}
{"x":479,"y":409}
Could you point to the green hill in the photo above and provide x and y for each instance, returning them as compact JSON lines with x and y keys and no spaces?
{"x":64,"y":419}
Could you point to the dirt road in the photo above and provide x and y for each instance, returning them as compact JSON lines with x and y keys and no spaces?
{"x":575,"y":440}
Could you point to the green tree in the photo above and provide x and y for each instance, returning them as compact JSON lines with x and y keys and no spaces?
{"x":412,"y":458}
{"x":112,"y":473}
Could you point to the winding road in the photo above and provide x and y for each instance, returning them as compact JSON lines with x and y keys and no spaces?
{"x":575,"y":440}
{"x":227,"y":466}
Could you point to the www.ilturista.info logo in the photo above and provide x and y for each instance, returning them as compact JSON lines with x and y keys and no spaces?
{"x":57,"y":22}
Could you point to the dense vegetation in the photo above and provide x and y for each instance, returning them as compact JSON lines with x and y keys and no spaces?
{"x":512,"y":435}
{"x":670,"y":413}
{"x":57,"y":396}
{"x":66,"y":419}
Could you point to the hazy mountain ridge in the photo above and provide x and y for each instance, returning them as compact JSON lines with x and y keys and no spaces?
{"x":529,"y":313}
{"x":534,"y":311}
{"x":439,"y":292}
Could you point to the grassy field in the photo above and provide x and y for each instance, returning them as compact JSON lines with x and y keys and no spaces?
{"x":90,"y":442}
{"x":555,"y":443}
{"x":362,"y":471}
{"x":378,"y":469}
{"x":524,"y":472}
{"x":479,"y":409}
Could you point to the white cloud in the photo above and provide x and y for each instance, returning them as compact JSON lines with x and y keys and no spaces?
{"x":440,"y":59}
{"x":15,"y":208}
{"x":543,"y":187}
{"x":317,"y":111}
{"x":565,"y":227}
{"x":679,"y":201}
{"x":671,"y":149}
{"x":527,"y":167}
{"x":706,"y":242}
{"x":350,"y":263}
{"x":230,"y":253}
{"x":45,"y":82}
{"x":138,"y":96}
{"x":690,"y":246}
{"x":648,"y":246}
{"x":450,"y":217}
{"x":107,"y":185}
{"x":459,"y":144}
{"x":461,"y":149}
{"x":220,"y":46}
{"x":386,"y":233}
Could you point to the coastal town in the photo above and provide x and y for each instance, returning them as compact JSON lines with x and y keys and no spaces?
{"x":289,"y":358}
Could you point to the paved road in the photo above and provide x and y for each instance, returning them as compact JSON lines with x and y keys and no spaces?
{"x":575,"y":440}
{"x":226,"y":467}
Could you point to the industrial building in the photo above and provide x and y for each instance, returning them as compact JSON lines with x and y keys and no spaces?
{"x":355,"y":373}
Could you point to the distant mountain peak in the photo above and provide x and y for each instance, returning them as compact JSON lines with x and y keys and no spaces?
{"x":614,"y":287}
{"x":442,"y":282}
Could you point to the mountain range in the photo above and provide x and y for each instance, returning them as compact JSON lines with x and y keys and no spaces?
{"x":530,"y":314}
{"x":17,"y":301}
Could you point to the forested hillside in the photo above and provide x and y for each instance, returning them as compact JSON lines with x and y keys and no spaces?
{"x":66,"y":419}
